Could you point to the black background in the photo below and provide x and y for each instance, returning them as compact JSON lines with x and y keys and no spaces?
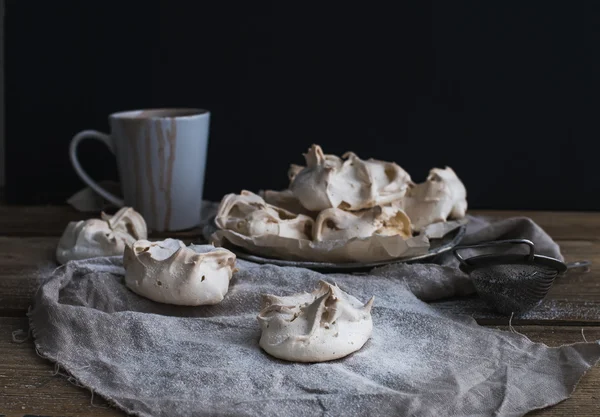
{"x":505,"y":92}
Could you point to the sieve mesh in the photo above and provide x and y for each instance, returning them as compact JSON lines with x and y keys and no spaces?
{"x":513,"y":288}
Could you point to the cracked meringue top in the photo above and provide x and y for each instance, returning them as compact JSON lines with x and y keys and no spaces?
{"x":248,"y":214}
{"x":172,"y":273}
{"x":323,"y":325}
{"x":349,"y":183}
{"x":336,"y":224}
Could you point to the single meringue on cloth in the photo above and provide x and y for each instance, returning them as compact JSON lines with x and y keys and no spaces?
{"x":106,"y":236}
{"x":324,"y":325}
{"x":442,"y":196}
{"x":337,"y":224}
{"x":350,"y":183}
{"x":248,"y":214}
{"x":169,"y":272}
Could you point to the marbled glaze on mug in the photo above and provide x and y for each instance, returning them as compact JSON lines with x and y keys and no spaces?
{"x":161,"y":156}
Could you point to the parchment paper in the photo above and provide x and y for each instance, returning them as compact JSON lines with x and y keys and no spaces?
{"x":372,"y":249}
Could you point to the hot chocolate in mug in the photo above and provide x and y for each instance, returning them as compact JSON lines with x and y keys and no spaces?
{"x":161,"y":158}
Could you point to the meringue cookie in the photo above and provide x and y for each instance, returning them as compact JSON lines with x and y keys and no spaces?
{"x":457,"y":190}
{"x":169,"y":272}
{"x":293,"y":171}
{"x":440,"y":197}
{"x":249,"y":215}
{"x":333,"y":160}
{"x":107,"y":236}
{"x":286,"y":200}
{"x":324,"y":325}
{"x":336,"y":224}
{"x":350,"y":183}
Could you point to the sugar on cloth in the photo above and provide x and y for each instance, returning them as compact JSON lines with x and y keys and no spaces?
{"x":153,"y":359}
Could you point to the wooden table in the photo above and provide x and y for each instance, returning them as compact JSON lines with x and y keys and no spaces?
{"x":30,"y":385}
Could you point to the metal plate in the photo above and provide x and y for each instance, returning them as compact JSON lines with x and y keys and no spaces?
{"x":438,"y":246}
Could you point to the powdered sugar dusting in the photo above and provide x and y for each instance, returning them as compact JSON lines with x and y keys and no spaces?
{"x":163,"y":360}
{"x":419,"y":361}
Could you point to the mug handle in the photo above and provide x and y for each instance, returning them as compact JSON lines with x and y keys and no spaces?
{"x":104,"y":138}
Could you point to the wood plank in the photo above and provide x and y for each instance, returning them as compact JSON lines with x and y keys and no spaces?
{"x":24,"y":262}
{"x":48,"y":220}
{"x":37,"y":220}
{"x":549,"y":312}
{"x":28,"y":384}
{"x":574,"y":299}
{"x":51,"y":220}
{"x":564,"y":225}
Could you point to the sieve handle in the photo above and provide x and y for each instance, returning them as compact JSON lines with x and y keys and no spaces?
{"x":580,"y":264}
{"x":495,"y":243}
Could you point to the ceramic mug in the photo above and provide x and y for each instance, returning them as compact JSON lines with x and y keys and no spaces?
{"x":161,"y":157}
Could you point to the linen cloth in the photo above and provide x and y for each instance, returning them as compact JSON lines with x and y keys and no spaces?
{"x":152,"y":359}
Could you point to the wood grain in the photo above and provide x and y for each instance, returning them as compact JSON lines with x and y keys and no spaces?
{"x":24,"y":221}
{"x":563,"y":225}
{"x":37,"y":220}
{"x":28,"y":384}
{"x":24,"y":262}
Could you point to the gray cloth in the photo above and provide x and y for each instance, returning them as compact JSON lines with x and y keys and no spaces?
{"x":152,"y":359}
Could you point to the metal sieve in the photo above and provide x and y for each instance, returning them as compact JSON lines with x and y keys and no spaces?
{"x":509,"y":282}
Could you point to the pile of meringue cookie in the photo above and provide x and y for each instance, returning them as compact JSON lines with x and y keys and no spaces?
{"x":334,"y":199}
{"x":323,"y":325}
